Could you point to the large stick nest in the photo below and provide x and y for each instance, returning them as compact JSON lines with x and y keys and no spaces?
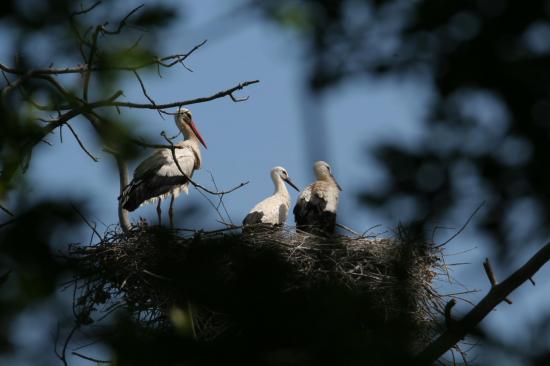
{"x":273,"y":289}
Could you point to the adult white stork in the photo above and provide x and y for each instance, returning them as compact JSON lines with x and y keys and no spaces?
{"x":315,"y":210}
{"x":274,"y":209}
{"x":158,"y":176}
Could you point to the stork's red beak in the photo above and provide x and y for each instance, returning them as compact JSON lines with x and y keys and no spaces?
{"x":197,"y":133}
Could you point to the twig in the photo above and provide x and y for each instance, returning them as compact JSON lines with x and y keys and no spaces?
{"x":81,"y":144}
{"x":157,"y":276}
{"x":6,"y":211}
{"x":86,"y":221}
{"x":463,"y":226}
{"x":221,"y":202}
{"x":123,"y":21}
{"x":143,"y":88}
{"x":220,"y":94}
{"x":111,"y":102}
{"x":491,"y":275}
{"x":89,"y":62}
{"x":195,"y":184}
{"x":88,"y":358}
{"x":63,"y":355}
{"x":79,"y":69}
{"x":86,"y":10}
{"x":348,"y":229}
{"x":496,"y":294}
{"x":142,"y":85}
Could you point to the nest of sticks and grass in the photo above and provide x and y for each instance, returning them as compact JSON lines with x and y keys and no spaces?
{"x":368,"y":297}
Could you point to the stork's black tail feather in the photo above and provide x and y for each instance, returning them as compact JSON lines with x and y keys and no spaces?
{"x":139,"y":191}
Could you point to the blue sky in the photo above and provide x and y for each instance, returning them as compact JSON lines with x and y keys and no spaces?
{"x":247,"y":139}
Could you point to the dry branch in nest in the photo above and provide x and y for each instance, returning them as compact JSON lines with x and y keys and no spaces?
{"x":371,"y":298}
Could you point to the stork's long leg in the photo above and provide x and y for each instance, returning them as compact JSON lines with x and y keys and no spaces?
{"x":170,"y":211}
{"x":158,"y":211}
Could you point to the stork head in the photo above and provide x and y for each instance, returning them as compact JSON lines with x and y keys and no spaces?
{"x":184,"y":121}
{"x":280,"y":173}
{"x":324,"y":172}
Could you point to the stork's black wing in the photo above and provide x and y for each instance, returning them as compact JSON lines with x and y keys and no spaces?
{"x":311,"y":216}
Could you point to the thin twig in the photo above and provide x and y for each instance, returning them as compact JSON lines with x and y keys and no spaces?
{"x":81,"y":144}
{"x":86,"y":221}
{"x":123,"y":21}
{"x":86,"y":10}
{"x":491,"y":275}
{"x":463,"y":226}
{"x":6,"y":211}
{"x":88,"y":358}
{"x":195,"y":184}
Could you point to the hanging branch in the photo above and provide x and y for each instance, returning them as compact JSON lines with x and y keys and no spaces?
{"x":195,"y":184}
{"x":498,"y":293}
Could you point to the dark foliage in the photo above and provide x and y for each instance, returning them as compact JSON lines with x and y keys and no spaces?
{"x":486,"y":133}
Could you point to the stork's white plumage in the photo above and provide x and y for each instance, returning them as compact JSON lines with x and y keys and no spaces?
{"x":315,"y":210}
{"x":158,"y":176}
{"x":274,"y":209}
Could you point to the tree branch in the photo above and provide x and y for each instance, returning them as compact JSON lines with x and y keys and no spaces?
{"x":79,"y":69}
{"x":496,"y":295}
{"x":195,"y":184}
{"x":86,"y":10}
{"x":88,"y":358}
{"x":8,"y":212}
{"x":81,"y":144}
{"x":491,"y":276}
{"x":224,"y":93}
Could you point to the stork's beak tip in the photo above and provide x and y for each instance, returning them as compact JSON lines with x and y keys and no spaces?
{"x":337,"y":185}
{"x":290,"y":183}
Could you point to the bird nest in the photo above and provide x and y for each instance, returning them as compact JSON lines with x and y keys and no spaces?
{"x":276,"y":289}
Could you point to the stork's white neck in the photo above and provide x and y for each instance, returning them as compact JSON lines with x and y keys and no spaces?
{"x":280,"y":186}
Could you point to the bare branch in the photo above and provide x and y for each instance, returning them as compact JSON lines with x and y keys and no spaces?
{"x":123,"y":21}
{"x":463,"y":226}
{"x":496,"y":295}
{"x":79,"y":69}
{"x":236,"y":99}
{"x":491,"y":276}
{"x":196,"y":185}
{"x":6,"y":211}
{"x":86,"y":221}
{"x":89,"y":62}
{"x":81,"y":144}
{"x":63,"y":354}
{"x":111,"y":102}
{"x":220,"y":94}
{"x":145,"y":92}
{"x":86,"y":10}
{"x":88,"y":358}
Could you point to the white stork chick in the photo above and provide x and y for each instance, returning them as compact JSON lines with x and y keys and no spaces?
{"x":315,"y":210}
{"x":274,"y":209}
{"x":158,"y":176}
